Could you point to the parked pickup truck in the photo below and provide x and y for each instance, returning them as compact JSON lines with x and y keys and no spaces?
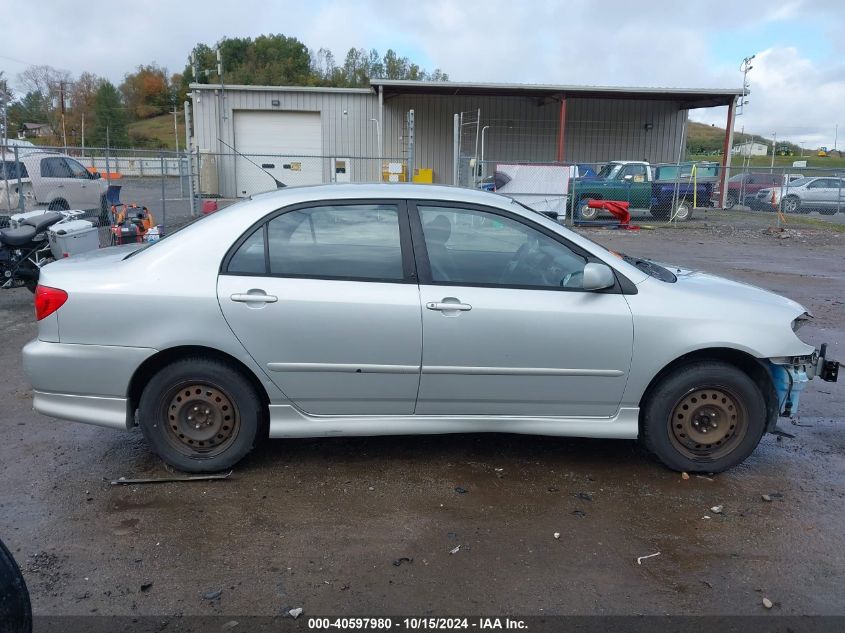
{"x":678,"y":189}
{"x":625,"y":180}
{"x":665,"y":191}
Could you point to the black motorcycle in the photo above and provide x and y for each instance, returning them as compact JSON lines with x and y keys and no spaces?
{"x":24,"y":250}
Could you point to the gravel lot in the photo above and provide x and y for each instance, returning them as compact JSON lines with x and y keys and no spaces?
{"x":320,"y":524}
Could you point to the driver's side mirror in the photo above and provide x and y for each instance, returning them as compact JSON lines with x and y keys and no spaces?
{"x":598,"y":277}
{"x":95,"y":175}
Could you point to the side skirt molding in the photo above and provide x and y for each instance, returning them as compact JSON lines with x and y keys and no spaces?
{"x":288,"y":421}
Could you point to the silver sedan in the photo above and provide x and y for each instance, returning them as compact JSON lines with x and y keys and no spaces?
{"x":388,"y":309}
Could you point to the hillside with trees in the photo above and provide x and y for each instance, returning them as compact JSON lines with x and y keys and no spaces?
{"x":134,"y":113}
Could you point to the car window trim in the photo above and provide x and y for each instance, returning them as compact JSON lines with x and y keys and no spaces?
{"x":622,"y":284}
{"x":409,"y":270}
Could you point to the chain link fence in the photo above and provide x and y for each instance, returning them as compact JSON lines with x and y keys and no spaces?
{"x":179,"y":186}
{"x":666,"y":192}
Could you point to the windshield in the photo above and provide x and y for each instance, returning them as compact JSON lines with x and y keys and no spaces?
{"x":799,"y":182}
{"x":609,"y":171}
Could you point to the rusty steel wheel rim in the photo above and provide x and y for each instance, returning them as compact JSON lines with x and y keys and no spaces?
{"x":200,"y":418}
{"x":708,"y":423}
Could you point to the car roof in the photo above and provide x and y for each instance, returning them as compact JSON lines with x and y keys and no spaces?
{"x":388,"y":190}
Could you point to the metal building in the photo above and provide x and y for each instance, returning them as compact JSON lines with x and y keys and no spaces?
{"x":326,"y":134}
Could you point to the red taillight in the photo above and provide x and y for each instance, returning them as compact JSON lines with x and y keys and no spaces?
{"x":47,"y":301}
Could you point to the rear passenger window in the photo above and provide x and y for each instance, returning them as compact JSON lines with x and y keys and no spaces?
{"x":249,"y":258}
{"x":357,"y":241}
{"x":354,"y":241}
{"x":55,"y":168}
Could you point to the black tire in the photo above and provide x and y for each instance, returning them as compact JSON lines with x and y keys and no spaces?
{"x":584,"y":212}
{"x":58,"y":205}
{"x":682,"y":210}
{"x":671,"y":427}
{"x":226,"y":405}
{"x":827,"y":211}
{"x":730,"y":201}
{"x":792,"y":204}
{"x":15,"y":607}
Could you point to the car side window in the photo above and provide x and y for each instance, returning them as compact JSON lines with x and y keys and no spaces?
{"x":55,"y":167}
{"x":469,"y":246}
{"x":821,"y":183}
{"x":354,"y":241}
{"x":249,"y":258}
{"x":12,"y":170}
{"x":77,"y":170}
{"x":637,"y":172}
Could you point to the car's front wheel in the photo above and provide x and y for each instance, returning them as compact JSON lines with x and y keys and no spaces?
{"x":706,"y":416}
{"x":200,"y":415}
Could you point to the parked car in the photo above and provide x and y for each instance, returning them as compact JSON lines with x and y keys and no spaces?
{"x":14,"y":186}
{"x":823,"y":194}
{"x":402,"y":309}
{"x":743,"y":188}
{"x":60,"y":182}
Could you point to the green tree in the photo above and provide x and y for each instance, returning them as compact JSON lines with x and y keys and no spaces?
{"x":109,"y":118}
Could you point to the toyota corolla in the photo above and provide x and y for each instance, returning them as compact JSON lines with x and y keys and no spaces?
{"x":405,"y":309}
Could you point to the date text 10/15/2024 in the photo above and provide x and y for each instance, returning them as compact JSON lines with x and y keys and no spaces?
{"x":415,"y":624}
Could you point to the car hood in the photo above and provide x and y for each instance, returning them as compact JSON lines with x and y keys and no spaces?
{"x":724,"y":289}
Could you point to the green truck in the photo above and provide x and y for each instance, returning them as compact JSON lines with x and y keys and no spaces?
{"x":667,"y":191}
{"x":625,"y":180}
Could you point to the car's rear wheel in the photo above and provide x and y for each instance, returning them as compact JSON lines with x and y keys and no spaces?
{"x":200,"y":415}
{"x":682,"y":210}
{"x":706,"y":416}
{"x":58,"y":205}
{"x":791,"y":204}
{"x":585,"y":212}
{"x":827,"y":211}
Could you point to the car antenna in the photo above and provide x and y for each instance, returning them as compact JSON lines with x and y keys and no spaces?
{"x":279,"y":183}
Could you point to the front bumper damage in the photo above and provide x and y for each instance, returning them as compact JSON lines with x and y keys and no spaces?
{"x":790,"y":376}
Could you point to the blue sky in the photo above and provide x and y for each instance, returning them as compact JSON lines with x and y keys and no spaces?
{"x":798,"y":80}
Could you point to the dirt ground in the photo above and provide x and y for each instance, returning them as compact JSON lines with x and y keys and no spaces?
{"x":367,"y":526}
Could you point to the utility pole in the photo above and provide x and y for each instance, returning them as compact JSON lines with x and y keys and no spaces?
{"x":744,"y":67}
{"x":62,"y":106}
{"x":835,"y":136}
{"x":774,"y":148}
{"x":83,"y":134}
{"x":175,"y":128}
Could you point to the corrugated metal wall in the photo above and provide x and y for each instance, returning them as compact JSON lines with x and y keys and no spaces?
{"x":344,"y":135}
{"x":521,"y":128}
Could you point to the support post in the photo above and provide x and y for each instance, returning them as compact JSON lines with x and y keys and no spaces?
{"x":163,"y":192}
{"x":726,"y":154}
{"x":561,"y":130}
{"x":193,"y":188}
{"x":380,"y":122}
{"x":21,"y":206}
{"x":456,"y":148}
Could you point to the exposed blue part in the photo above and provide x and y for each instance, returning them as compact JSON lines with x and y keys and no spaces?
{"x":789,"y":383}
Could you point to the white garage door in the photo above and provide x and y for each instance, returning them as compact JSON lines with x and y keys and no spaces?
{"x":283,"y":143}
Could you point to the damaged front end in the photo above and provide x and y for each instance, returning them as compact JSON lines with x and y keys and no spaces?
{"x":791,"y":374}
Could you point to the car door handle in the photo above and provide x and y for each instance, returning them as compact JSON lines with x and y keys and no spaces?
{"x":448,"y":305}
{"x":253,"y":298}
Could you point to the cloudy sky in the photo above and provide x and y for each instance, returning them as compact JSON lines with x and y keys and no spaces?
{"x":797,"y":82}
